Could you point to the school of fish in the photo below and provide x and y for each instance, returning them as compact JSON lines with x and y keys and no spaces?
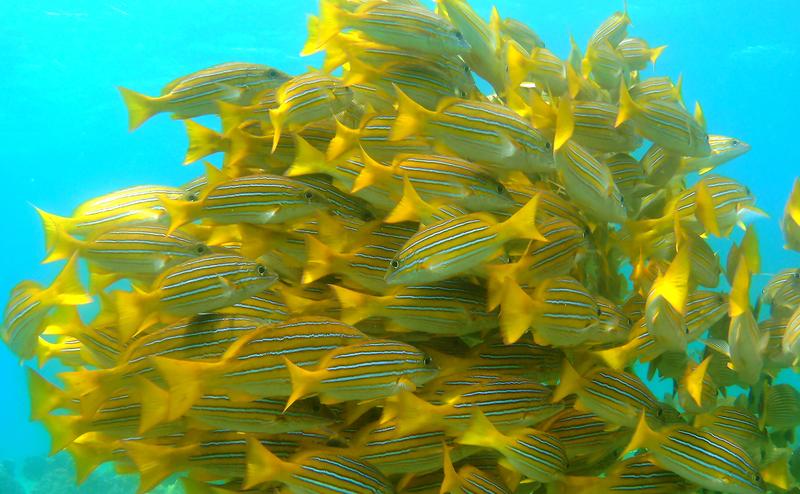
{"x":397,"y":282}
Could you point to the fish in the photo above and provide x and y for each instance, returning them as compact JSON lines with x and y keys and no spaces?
{"x":198,"y":285}
{"x":404,"y":26}
{"x":723,"y":149}
{"x":701,"y":457}
{"x":468,"y":479}
{"x":613,"y":30}
{"x":196,"y":94}
{"x":30,"y":304}
{"x":452,"y":246}
{"x":485,"y":133}
{"x":638,"y":474}
{"x":791,"y":219}
{"x":637,"y":52}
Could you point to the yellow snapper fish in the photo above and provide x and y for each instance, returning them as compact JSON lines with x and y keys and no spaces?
{"x":253,"y":199}
{"x":512,"y":29}
{"x":637,"y":52}
{"x":453,"y":246}
{"x":666,"y":123}
{"x":30,"y":304}
{"x":362,"y":371}
{"x":468,"y":479}
{"x":314,"y":472}
{"x":197,"y":93}
{"x":636,"y":474}
{"x":613,"y":30}
{"x":701,"y":457}
{"x":791,"y":219}
{"x":404,"y":26}
{"x":478,"y":131}
{"x":723,"y":149}
{"x":198,"y":285}
{"x":305,"y":99}
{"x":130,"y":206}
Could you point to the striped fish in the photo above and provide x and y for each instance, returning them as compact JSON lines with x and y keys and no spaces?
{"x":451,"y":307}
{"x":469,"y":479}
{"x":561,"y":311}
{"x":365,"y":370}
{"x":736,"y":423}
{"x":658,"y":87}
{"x":323,"y":472}
{"x":372,"y":136}
{"x":485,"y":133}
{"x":701,"y":457}
{"x":134,"y":205}
{"x":665,"y":123}
{"x":781,"y":408}
{"x":614,"y":326}
{"x":615,"y":396}
{"x":589,"y":183}
{"x":268,"y":307}
{"x":523,"y":358}
{"x":508,"y":402}
{"x":584,"y":433}
{"x":252,"y":199}
{"x":592,"y":124}
{"x":723,"y":198}
{"x":635,"y":474}
{"x":339,"y":204}
{"x":774,"y":357}
{"x":392,"y":452}
{"x":410,"y":27}
{"x":660,"y":165}
{"x":605,"y":64}
{"x":637,"y":52}
{"x":203,"y":284}
{"x":536,"y":455}
{"x":437,"y":179}
{"x":512,"y":29}
{"x":703,"y":310}
{"x":196,"y":94}
{"x":305,"y":99}
{"x":29,"y":305}
{"x":136,"y":251}
{"x":782,"y":292}
{"x":540,"y":68}
{"x":483,"y":43}
{"x":723,"y":149}
{"x":612,"y":29}
{"x":254,"y":365}
{"x":453,"y":246}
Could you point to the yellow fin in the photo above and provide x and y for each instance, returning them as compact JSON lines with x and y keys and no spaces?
{"x":356,"y":306}
{"x":307,"y":159}
{"x":303,"y":382}
{"x":373,"y":172}
{"x":332,"y":19}
{"x":345,"y":140}
{"x":54,"y":227}
{"x":411,"y":117}
{"x":321,"y":261}
{"x":412,"y":413}
{"x":262,"y":465}
{"x":481,"y":432}
{"x":522,"y":224}
{"x":180,"y":212}
{"x":516,"y":312}
{"x":140,"y":107}
{"x":739,"y":300}
{"x":570,"y":383}
{"x":63,"y":430}
{"x":704,"y":209}
{"x":565,"y":123}
{"x":694,"y":380}
{"x":627,"y":107}
{"x":133,"y":309}
{"x":277,"y":117}
{"x":155,"y":404}
{"x":673,"y":286}
{"x":643,"y":437}
{"x":411,"y":206}
{"x":67,"y":288}
{"x":451,"y":483}
{"x":202,"y":141}
{"x":44,"y":395}
{"x":186,"y":380}
{"x":750,"y":250}
{"x":656,"y":52}
{"x":156,"y":463}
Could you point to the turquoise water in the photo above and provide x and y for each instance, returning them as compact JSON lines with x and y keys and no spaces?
{"x":65,"y":135}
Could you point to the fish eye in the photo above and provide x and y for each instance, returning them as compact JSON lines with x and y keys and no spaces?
{"x":706,"y":137}
{"x":501,"y":189}
{"x":261,"y":270}
{"x":459,"y":35}
{"x":272,"y":73}
{"x":466,"y":69}
{"x":599,"y":311}
{"x":308,"y":195}
{"x":201,"y":248}
{"x":394,"y":263}
{"x":427,"y":360}
{"x":622,"y":200}
{"x":747,"y":190}
{"x":547,"y":146}
{"x":734,"y":142}
{"x":757,"y":478}
{"x":193,"y":196}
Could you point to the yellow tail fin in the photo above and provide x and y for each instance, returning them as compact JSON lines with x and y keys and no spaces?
{"x":63,"y":430}
{"x":307,"y":159}
{"x":356,"y":306}
{"x":674,"y":284}
{"x":54,"y":227}
{"x":321,"y":261}
{"x":140,"y":107}
{"x":644,"y":437}
{"x":481,"y":432}
{"x":277,"y":117}
{"x":522,"y":224}
{"x":694,"y":380}
{"x":565,"y":124}
{"x":180,"y":212}
{"x":88,"y":453}
{"x":411,"y":117}
{"x":231,"y":116}
{"x":451,"y":483}
{"x":373,"y":172}
{"x":569,"y":383}
{"x":303,"y":382}
{"x":262,"y":465}
{"x":67,"y":288}
{"x":332,"y":19}
{"x":345,"y":140}
{"x":132,"y":308}
{"x":186,"y":380}
{"x":518,"y":65}
{"x":627,"y":107}
{"x":156,"y":463}
{"x":202,"y":142}
{"x":516,"y":312}
{"x":155,"y":404}
{"x":656,"y":52}
{"x":411,"y":207}
{"x":45,"y":396}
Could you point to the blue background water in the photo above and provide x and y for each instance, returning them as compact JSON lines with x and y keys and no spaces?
{"x":64,"y":128}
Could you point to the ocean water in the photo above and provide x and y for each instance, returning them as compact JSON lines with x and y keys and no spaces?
{"x":64,"y":127}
